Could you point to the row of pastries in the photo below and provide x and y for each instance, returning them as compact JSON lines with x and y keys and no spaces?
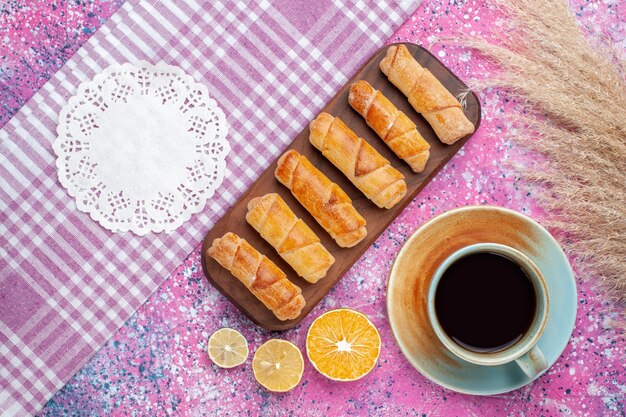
{"x":327,"y":203}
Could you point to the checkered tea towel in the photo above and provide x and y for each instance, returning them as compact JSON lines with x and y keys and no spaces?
{"x":66,"y":284}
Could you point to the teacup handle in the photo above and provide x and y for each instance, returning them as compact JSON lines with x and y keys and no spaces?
{"x":532,"y":362}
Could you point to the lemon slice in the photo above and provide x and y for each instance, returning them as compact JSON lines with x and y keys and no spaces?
{"x":278,"y":365}
{"x":343,"y":344}
{"x":227,"y":348}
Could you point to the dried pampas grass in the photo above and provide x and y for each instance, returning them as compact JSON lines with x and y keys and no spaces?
{"x":575,"y":115}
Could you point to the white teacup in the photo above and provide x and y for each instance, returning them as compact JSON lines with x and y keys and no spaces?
{"x":525,"y":351}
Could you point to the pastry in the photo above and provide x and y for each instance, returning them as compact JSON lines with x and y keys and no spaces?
{"x":368,"y":170}
{"x":426,"y":94}
{"x":329,"y":205}
{"x":260,"y":275}
{"x":294,"y":241}
{"x":393,"y":126}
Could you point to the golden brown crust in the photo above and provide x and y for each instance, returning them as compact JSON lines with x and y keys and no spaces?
{"x":286,"y":166}
{"x":294,"y":241}
{"x":289,"y":310}
{"x":326,"y":201}
{"x":401,"y":68}
{"x":299,"y":236}
{"x":390,"y":124}
{"x":368,"y":170}
{"x":259,"y":274}
{"x":401,"y":125}
{"x":368,"y":159}
{"x":426,"y":94}
{"x":448,"y":124}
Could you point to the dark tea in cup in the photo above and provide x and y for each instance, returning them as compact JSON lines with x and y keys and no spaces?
{"x":485,"y":302}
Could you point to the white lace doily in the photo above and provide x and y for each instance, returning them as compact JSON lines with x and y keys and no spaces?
{"x":141,"y":147}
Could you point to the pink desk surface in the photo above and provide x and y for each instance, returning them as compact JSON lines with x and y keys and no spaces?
{"x":156,"y":363}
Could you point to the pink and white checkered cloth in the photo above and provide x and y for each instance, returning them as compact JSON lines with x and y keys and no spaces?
{"x":66,"y":284}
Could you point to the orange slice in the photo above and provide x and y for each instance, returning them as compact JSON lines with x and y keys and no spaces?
{"x":343,"y":344}
{"x":227,"y":348}
{"x":278,"y":365}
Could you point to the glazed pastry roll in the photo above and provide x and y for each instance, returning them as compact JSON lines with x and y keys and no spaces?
{"x":368,"y":170}
{"x":260,"y":275}
{"x":329,"y":205}
{"x":294,"y":241}
{"x":426,"y":94}
{"x":390,"y":124}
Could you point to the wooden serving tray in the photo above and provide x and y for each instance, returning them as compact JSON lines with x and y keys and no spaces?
{"x":377,"y":219}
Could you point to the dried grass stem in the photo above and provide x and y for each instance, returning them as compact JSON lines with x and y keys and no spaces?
{"x":573,"y":99}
